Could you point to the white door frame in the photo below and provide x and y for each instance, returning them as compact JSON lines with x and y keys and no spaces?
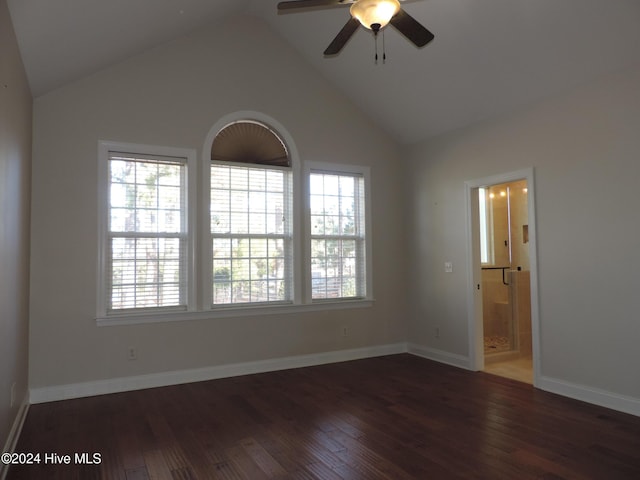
{"x":474,"y":294}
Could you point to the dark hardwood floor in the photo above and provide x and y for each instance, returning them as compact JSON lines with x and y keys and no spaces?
{"x":396,"y":417}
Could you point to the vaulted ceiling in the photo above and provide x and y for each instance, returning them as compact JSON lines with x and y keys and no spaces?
{"x":489,"y":57}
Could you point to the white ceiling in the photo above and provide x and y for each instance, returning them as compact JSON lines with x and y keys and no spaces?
{"x":489,"y":56}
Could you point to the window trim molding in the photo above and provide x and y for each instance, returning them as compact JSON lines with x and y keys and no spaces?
{"x":232,"y":312}
{"x":205,"y":218}
{"x":288,"y":195}
{"x":104,"y":147}
{"x":198,"y":255}
{"x":337,"y":169}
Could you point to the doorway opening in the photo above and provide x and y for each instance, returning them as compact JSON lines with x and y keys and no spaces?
{"x":503,"y":321}
{"x":506,"y":280}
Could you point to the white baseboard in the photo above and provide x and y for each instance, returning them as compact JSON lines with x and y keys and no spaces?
{"x":583,"y":393}
{"x":14,"y":434}
{"x":439,"y":356}
{"x":123,"y":384}
{"x":592,"y":395}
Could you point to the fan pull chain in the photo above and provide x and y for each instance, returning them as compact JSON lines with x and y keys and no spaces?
{"x":384,"y":50}
{"x":375,"y":36}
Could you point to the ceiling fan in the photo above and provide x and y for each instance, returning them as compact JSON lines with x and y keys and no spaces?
{"x":371,"y":14}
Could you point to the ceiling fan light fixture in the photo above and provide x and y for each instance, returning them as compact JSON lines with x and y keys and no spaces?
{"x":374,"y":12}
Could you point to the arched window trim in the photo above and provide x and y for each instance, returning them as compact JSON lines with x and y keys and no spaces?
{"x":283,"y":135}
{"x":252,"y":142}
{"x":199,"y":194}
{"x":258,"y":117}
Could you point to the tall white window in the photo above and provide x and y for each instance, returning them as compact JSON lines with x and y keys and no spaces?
{"x":338,"y":256}
{"x":251,"y":234}
{"x":146,"y":234}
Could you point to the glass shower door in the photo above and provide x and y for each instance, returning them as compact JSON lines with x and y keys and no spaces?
{"x":504,"y":255}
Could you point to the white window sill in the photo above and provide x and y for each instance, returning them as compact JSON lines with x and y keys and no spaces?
{"x":228,"y":312}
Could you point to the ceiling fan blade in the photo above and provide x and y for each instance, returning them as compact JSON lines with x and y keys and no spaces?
{"x":411,"y":28}
{"x":343,"y":37}
{"x":294,"y":4}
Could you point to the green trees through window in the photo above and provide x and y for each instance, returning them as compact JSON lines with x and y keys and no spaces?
{"x":251,"y":234}
{"x":174,"y":245}
{"x":337,"y":235}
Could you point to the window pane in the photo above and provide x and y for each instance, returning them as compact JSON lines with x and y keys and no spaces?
{"x":220,"y":222}
{"x":146,"y":272}
{"x":219,"y":177}
{"x":257,"y":223}
{"x":347,"y":186}
{"x":275,"y":219}
{"x":257,"y":180}
{"x":316,"y":186}
{"x":221,"y":248}
{"x":331,"y":225}
{"x":331,"y":205}
{"x":316,"y":204}
{"x":220,"y":206}
{"x":146,"y":173}
{"x":337,"y":241}
{"x":146,"y":196}
{"x":138,"y":202}
{"x":275,"y":181}
{"x":331,"y":185}
{"x":122,"y":172}
{"x":317,"y":225}
{"x":257,"y":202}
{"x":169,"y":198}
{"x":146,"y":207}
{"x":239,"y":179}
{"x":239,"y":201}
{"x":348,"y":225}
{"x":250,"y":255}
{"x":239,"y":222}
{"x":170,"y":175}
{"x":122,"y":220}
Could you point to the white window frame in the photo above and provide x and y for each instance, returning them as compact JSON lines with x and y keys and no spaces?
{"x":367,"y":278}
{"x":104,"y":150}
{"x":199,"y":282}
{"x":287,"y":237}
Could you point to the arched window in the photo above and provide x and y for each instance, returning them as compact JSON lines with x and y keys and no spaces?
{"x":251,"y":218}
{"x":161,"y":261}
{"x":249,"y":141}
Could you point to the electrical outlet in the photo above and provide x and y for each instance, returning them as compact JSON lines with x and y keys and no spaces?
{"x":132,"y":353}
{"x":345,"y":331}
{"x":448,"y":267}
{"x":437,"y":332}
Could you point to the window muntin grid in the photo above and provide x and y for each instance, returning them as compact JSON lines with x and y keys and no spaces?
{"x":251,"y":239}
{"x":147,"y":232}
{"x":337,"y":235}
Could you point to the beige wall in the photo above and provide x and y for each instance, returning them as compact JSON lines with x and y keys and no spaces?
{"x":15,"y":168}
{"x":583,"y":146}
{"x":173,"y":95}
{"x":584,"y":149}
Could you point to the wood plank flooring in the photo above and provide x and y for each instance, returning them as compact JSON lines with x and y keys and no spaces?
{"x":394,"y":418}
{"x":520,"y":369}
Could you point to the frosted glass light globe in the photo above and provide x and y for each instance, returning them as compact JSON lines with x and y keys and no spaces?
{"x":372,"y":12}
